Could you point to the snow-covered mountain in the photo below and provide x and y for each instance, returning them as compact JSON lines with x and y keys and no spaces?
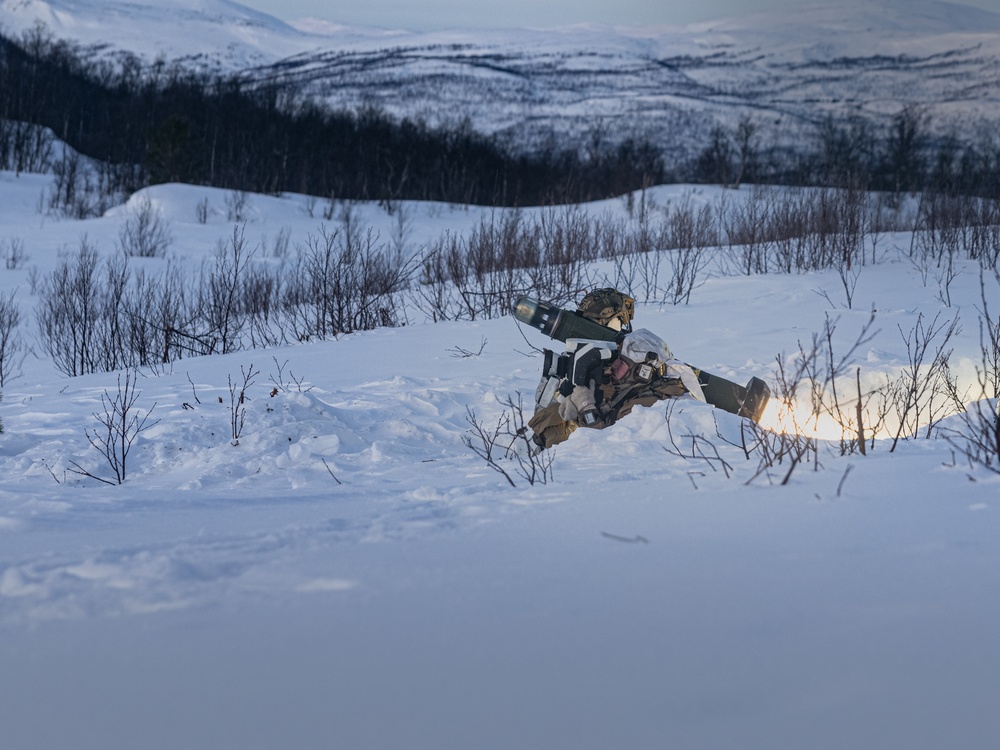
{"x":669,"y":84}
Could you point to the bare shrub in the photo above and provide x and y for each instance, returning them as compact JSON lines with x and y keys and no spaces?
{"x":919,"y":396}
{"x":746,"y":229}
{"x":808,"y":387}
{"x":155,"y":315}
{"x":284,"y":382}
{"x":11,"y":344}
{"x":690,"y":232}
{"x":238,"y":402}
{"x":828,"y":375}
{"x":237,"y":206}
{"x":695,"y":447}
{"x":975,"y":433}
{"x":793,"y":445}
{"x":779,"y":453}
{"x":343,"y":282}
{"x":201,"y":211}
{"x":95,"y":317}
{"x":436,"y":293}
{"x":219,"y":302}
{"x":791,"y":221}
{"x":260,"y":297}
{"x":280,"y":244}
{"x":34,"y":280}
{"x":120,"y":424}
{"x":479,"y":276}
{"x":14,"y":256}
{"x":497,"y":254}
{"x":68,"y":312}
{"x":565,"y":242}
{"x":25,"y":147}
{"x":507,"y":447}
{"x":78,"y":191}
{"x":640,"y":256}
{"x":145,"y":233}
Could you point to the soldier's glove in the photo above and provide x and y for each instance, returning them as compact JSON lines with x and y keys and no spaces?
{"x":580,"y":407}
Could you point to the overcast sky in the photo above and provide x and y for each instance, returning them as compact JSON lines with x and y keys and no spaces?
{"x":427,"y":15}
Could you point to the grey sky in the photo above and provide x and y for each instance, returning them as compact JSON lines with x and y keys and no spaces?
{"x":427,"y":15}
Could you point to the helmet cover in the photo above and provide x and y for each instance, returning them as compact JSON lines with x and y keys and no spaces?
{"x":605,"y":305}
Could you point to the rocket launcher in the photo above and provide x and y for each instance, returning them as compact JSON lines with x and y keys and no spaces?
{"x":559,"y":324}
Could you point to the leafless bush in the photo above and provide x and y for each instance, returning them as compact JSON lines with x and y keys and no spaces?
{"x":949,"y":225}
{"x":507,"y":447}
{"x":145,"y":233}
{"x":68,"y":312}
{"x":78,"y":191}
{"x":279,"y":247}
{"x":330,"y":209}
{"x":343,"y":281}
{"x":201,"y":211}
{"x":505,"y":256}
{"x":791,"y":219}
{"x":745,"y":224}
{"x":14,"y":256}
{"x":852,"y":220}
{"x":947,"y":273}
{"x":283,"y":381}
{"x":778,"y":453}
{"x":237,"y":205}
{"x":459,"y":353}
{"x":238,"y":401}
{"x":808,"y":388}
{"x":856,"y":416}
{"x":25,"y":147}
{"x":498,"y":254}
{"x":695,"y":447}
{"x":638,"y":274}
{"x":34,"y":280}
{"x":11,"y":344}
{"x":156,"y":318}
{"x":690,"y":232}
{"x":219,"y":301}
{"x":795,"y":444}
{"x":975,"y":433}
{"x":95,"y":317}
{"x":566,"y":241}
{"x":918,"y":398}
{"x":120,"y":425}
{"x":989,"y":340}
{"x":436,"y":293}
{"x":800,"y":231}
{"x":260,"y":298}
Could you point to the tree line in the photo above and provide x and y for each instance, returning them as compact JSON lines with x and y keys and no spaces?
{"x":902,"y":155}
{"x":148,"y":124}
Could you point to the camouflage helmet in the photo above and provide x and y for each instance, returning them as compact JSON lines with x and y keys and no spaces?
{"x":607,"y":305}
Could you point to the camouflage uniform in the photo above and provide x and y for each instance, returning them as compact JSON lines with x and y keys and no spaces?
{"x":640,"y":372}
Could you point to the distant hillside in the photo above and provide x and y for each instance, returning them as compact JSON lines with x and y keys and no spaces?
{"x":894,"y":97}
{"x":671,"y":85}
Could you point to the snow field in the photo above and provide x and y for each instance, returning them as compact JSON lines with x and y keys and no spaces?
{"x":350,"y":574}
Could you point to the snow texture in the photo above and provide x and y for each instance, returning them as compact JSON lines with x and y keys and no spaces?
{"x":351,"y":575}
